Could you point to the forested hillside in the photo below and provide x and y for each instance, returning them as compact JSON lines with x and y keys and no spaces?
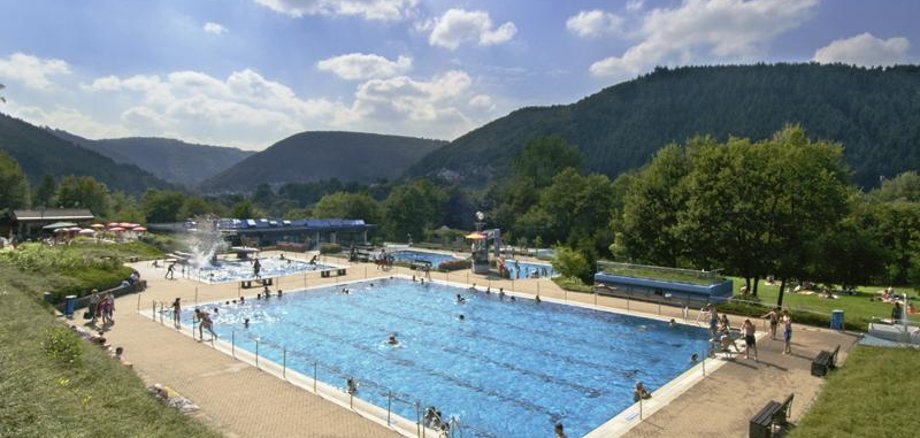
{"x":169,"y":159}
{"x":40,"y":153}
{"x":874,"y":113}
{"x":316,"y":156}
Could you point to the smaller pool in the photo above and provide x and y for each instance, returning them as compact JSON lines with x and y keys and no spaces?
{"x":409,"y":256}
{"x":232,"y":270}
{"x":518,"y":269}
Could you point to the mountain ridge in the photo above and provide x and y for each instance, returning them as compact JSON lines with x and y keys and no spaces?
{"x":321,"y":155}
{"x":620,"y":127}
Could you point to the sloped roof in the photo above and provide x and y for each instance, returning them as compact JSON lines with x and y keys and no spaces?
{"x":53,"y":214}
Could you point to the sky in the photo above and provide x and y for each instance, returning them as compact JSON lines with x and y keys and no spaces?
{"x":248,"y":73}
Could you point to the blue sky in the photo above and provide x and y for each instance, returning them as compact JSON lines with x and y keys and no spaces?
{"x":248,"y":73}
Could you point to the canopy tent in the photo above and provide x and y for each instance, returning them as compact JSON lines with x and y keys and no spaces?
{"x":475,"y":236}
{"x":97,"y":226}
{"x":139,"y":229}
{"x":57,"y":225}
{"x":117,"y":229}
{"x":86,"y":232}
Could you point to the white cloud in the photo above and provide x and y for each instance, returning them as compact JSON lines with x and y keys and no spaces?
{"x":481,"y":101}
{"x":214,"y":28}
{"x":32,"y":71}
{"x":68,"y":119}
{"x":457,"y":26}
{"x":864,"y":50}
{"x":385,"y":10}
{"x":354,"y":66}
{"x":590,"y":24}
{"x":635,"y":5}
{"x":723,"y":29}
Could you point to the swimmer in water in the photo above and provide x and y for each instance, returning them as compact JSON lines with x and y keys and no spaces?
{"x":537,"y":299}
{"x":672,"y":323}
{"x":460,"y":299}
{"x":462,"y":318}
{"x":246,"y":323}
{"x":392,"y":339}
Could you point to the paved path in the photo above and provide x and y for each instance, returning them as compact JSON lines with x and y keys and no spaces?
{"x":239,"y":400}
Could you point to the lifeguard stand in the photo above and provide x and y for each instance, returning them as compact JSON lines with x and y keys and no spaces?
{"x":481,"y":242}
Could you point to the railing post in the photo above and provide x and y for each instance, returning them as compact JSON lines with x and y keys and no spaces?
{"x":704,"y":366}
{"x":232,"y":342}
{"x":418,"y":419}
{"x":153,"y":310}
{"x":196,"y":294}
{"x":595,"y":299}
{"x":314,"y":377}
{"x":284,"y":364}
{"x":389,"y":405}
{"x":659,"y":306}
{"x":161,"y":314}
{"x":627,"y":304}
{"x":138,"y":303}
{"x":257,"y":352}
{"x":640,"y":409}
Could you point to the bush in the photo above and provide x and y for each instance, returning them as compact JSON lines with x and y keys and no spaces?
{"x":454,"y":265}
{"x":63,"y":346}
{"x":571,"y":263}
{"x":573,"y":284}
{"x":330,"y":248}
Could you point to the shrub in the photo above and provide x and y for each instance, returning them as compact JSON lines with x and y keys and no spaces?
{"x":330,"y":248}
{"x":454,"y":265}
{"x":571,"y":263}
{"x":63,"y":346}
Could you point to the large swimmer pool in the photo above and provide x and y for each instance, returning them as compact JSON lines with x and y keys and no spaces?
{"x":510,"y":369}
{"x":233,"y":270}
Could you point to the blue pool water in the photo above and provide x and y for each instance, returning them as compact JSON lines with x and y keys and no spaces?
{"x":510,"y":369}
{"x":518,"y":269}
{"x":410,"y":256}
{"x":231,"y":270}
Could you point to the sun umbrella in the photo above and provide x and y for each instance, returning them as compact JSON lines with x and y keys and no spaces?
{"x":97,"y":226}
{"x":60,"y":230}
{"x":117,"y":229}
{"x":75,"y":229}
{"x":86,"y":232}
{"x":475,"y":236}
{"x":125,"y":225}
{"x":112,"y":224}
{"x":141,"y":229}
{"x":57,"y":225}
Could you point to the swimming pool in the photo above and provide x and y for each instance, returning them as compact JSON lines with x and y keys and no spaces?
{"x":518,"y":269}
{"x":409,"y":256}
{"x":510,"y":369}
{"x":232,"y":270}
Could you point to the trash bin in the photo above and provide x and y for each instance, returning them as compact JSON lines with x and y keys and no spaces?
{"x":70,"y":304}
{"x":47,"y":297}
{"x":837,"y":320}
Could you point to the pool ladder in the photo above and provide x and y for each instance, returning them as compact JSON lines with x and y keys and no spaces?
{"x":454,"y":429}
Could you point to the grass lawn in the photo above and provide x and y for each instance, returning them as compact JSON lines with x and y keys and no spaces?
{"x":857,"y":308}
{"x":875,"y":394}
{"x":45,"y":395}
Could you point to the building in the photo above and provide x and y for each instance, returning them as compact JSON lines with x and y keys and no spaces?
{"x":310,"y":233}
{"x":29,"y":223}
{"x":662,"y":285}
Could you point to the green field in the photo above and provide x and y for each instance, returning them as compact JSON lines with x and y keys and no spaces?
{"x":857,"y":308}
{"x":44,"y":394}
{"x":876,"y":393}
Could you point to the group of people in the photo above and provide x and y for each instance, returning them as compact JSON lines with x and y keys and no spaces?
{"x":101,"y":306}
{"x":777,"y":317}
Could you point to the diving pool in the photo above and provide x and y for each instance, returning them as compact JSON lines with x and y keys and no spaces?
{"x":510,"y":369}
{"x":518,"y":269}
{"x":233,"y":270}
{"x":434,"y":258}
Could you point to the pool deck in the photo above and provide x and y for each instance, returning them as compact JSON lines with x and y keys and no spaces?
{"x":239,"y":400}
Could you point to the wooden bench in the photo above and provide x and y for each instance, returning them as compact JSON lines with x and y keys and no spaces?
{"x":824,"y":362}
{"x":772,"y":418}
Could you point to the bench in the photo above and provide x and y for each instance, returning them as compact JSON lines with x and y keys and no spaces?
{"x":772,"y":418}
{"x":824,"y":362}
{"x":328,"y":272}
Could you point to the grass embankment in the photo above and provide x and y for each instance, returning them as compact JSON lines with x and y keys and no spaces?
{"x":78,"y":268}
{"x":44,"y":394}
{"x":876,"y":393}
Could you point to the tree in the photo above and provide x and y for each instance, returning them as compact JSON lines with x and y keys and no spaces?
{"x":14,"y":188}
{"x":263,"y":196}
{"x":245,"y":210}
{"x":648,"y":226}
{"x":194,"y":206}
{"x":124,"y":208}
{"x":84,"y":192}
{"x":411,"y":208}
{"x":162,"y":206}
{"x":543,"y":158}
{"x":2,"y":98}
{"x":573,"y":264}
{"x":904,"y":187}
{"x":346,"y":205}
{"x":46,"y":192}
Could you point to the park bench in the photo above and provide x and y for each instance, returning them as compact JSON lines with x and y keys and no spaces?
{"x":771,"y":419}
{"x":328,"y":272}
{"x":824,"y":362}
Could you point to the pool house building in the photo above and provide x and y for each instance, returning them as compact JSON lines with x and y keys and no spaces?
{"x":305,"y":234}
{"x":659,"y":284}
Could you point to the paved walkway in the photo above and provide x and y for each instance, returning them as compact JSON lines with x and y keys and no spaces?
{"x":240,"y":400}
